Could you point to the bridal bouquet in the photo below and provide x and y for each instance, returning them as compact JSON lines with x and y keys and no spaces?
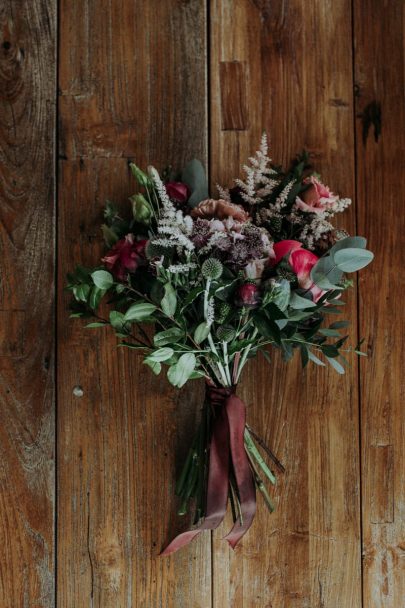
{"x":222,"y":280}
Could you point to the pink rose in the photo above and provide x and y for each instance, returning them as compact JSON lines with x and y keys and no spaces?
{"x":301,"y":261}
{"x":316,"y":198}
{"x":177,"y":191}
{"x":125,"y":256}
{"x":248,"y":295}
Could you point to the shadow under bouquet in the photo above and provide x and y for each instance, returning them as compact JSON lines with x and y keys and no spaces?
{"x":222,"y":280}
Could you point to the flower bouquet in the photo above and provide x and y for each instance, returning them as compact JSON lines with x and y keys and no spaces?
{"x":221,"y":280}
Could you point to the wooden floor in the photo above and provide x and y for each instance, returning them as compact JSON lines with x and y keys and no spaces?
{"x":87,"y":474}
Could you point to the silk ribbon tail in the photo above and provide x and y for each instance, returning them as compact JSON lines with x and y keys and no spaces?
{"x":236,"y":412}
{"x":217,"y":488}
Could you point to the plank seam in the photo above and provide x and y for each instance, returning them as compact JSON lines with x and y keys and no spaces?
{"x":209,"y":122}
{"x":356,"y":221}
{"x":56,"y":282}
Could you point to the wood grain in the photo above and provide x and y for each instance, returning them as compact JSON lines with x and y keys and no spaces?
{"x":299,"y":88}
{"x":380,"y":111}
{"x":133,"y":86}
{"x":27,"y":126}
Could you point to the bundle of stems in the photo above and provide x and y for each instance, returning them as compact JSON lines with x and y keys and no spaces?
{"x":191,"y":486}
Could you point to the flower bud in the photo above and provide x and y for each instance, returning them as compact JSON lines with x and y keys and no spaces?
{"x":177,"y":192}
{"x":248,"y":295}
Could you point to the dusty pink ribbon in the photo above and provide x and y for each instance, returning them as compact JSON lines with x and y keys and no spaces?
{"x":227,"y":442}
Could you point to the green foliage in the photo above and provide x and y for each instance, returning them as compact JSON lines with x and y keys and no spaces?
{"x":141,"y":177}
{"x":102,"y":279}
{"x":179,"y":289}
{"x":201,"y":332}
{"x":169,"y":300}
{"x":140,"y":312}
{"x":180,"y":372}
{"x":194,"y":176}
{"x":141,"y":209}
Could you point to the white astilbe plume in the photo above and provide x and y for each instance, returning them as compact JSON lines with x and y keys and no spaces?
{"x":283,"y":196}
{"x":181,"y":268}
{"x":340,"y":205}
{"x":223,"y":193}
{"x":258,"y":183}
{"x":173,"y":228}
{"x":210,"y":312}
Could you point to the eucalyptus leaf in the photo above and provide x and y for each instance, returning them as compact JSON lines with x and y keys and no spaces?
{"x":298,"y":302}
{"x":325,"y":273}
{"x":358,"y":242}
{"x":351,"y":260}
{"x":194,"y":176}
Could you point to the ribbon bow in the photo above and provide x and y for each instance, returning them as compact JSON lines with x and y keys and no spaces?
{"x":227,"y":448}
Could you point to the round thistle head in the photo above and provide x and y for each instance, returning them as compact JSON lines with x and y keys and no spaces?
{"x":211,"y":269}
{"x":225,"y":334}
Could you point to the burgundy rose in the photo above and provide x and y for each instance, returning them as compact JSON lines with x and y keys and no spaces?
{"x":178,"y":192}
{"x":248,"y":295}
{"x":125,"y":256}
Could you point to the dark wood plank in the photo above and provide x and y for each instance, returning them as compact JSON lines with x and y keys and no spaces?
{"x":133,"y":85}
{"x":299,"y":88}
{"x":27,"y":117}
{"x":380,"y":110}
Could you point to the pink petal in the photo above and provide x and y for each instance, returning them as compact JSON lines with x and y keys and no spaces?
{"x":283,"y":248}
{"x":302,"y":262}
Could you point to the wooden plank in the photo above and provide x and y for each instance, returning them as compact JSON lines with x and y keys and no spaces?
{"x":27,"y":117}
{"x":133,"y":85}
{"x":299,"y":88}
{"x":380,"y":110}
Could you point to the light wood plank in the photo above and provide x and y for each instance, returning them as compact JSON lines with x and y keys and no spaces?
{"x":298,"y":81}
{"x":380,"y":110}
{"x":133,"y":86}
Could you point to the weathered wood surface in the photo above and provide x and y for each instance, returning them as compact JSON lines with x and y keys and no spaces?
{"x":380,"y":111}
{"x":135,"y":84}
{"x":27,"y":121}
{"x":132,"y":86}
{"x":298,"y":84}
